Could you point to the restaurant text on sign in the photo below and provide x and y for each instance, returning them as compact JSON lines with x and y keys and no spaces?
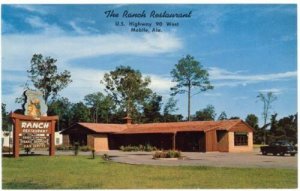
{"x":39,"y":125}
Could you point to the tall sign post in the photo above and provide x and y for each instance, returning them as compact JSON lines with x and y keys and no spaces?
{"x":34,"y":129}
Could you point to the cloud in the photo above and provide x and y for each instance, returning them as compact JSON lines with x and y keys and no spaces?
{"x":37,"y":22}
{"x":87,"y":29}
{"x":77,"y":29}
{"x":241,"y":98}
{"x":9,"y":99}
{"x":160,"y":84}
{"x":7,"y":27}
{"x":211,"y":19}
{"x":86,"y":81}
{"x":66,"y":48}
{"x":32,"y":8}
{"x":273,"y":90}
{"x":212,"y":94}
{"x":224,"y":77}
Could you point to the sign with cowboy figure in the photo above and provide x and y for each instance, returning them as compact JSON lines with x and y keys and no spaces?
{"x":35,"y":105}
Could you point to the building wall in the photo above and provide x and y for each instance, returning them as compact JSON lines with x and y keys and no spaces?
{"x":211,"y":141}
{"x":99,"y":142}
{"x":6,"y":135}
{"x":246,"y":148}
{"x":58,"y":138}
{"x":66,"y":139}
{"x":222,"y":143}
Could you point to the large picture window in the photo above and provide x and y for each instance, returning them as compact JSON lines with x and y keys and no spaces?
{"x":240,"y":138}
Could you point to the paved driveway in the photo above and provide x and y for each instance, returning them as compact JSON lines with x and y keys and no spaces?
{"x":217,"y":159}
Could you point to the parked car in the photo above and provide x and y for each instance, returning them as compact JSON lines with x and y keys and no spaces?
{"x":279,"y":147}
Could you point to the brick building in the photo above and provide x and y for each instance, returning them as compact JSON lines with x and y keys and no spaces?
{"x":201,"y":136}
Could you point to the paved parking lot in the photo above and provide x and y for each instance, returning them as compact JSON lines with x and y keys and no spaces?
{"x":216,"y":159}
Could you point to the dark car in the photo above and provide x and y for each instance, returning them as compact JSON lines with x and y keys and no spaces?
{"x":279,"y":147}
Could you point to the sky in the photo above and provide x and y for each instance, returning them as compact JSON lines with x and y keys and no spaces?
{"x":246,"y":49}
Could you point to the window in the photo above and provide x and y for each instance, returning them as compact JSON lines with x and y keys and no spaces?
{"x":57,"y":141}
{"x":240,"y":139}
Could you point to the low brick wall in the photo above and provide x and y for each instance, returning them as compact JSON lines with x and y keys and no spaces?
{"x":98,"y":141}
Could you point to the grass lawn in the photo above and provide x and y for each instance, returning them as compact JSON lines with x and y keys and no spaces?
{"x":42,"y":172}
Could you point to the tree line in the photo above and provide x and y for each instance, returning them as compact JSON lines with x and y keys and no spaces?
{"x":127,"y":93}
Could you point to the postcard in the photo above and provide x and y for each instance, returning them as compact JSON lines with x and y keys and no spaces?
{"x":143,"y":96}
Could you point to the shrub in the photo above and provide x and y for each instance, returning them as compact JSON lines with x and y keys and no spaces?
{"x":85,"y":148}
{"x":150,"y":148}
{"x":129,"y":148}
{"x":6,"y":149}
{"x":167,"y":154}
{"x":27,"y":150}
{"x":76,"y":148}
{"x":105,"y":157}
{"x":93,"y":153}
{"x":63,"y":147}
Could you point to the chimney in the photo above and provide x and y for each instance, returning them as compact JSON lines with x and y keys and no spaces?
{"x":128,"y":120}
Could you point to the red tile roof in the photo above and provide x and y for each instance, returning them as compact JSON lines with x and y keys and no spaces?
{"x":104,"y":127}
{"x":170,"y":127}
{"x":174,"y":127}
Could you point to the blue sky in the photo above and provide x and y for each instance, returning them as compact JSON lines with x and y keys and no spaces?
{"x":246,"y":49}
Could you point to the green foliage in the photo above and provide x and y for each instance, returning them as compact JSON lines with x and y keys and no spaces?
{"x":151,"y":108}
{"x":101,"y":107}
{"x":252,"y":120}
{"x":63,"y":148}
{"x":129,"y":148}
{"x":106,"y":157}
{"x":85,"y":148}
{"x":6,"y":123}
{"x":45,"y":77}
{"x":187,"y":74}
{"x":27,"y":150}
{"x":128,"y":88}
{"x":93,"y":153}
{"x":76,"y":148}
{"x":169,"y":108}
{"x":62,"y":108}
{"x":206,"y":114}
{"x":80,"y":113}
{"x":6,"y":149}
{"x":67,"y":172}
{"x":222,"y":116}
{"x":167,"y":154}
{"x":283,"y":129}
{"x":234,"y":117}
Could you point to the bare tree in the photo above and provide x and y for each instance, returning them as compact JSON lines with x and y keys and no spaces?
{"x":267,"y":100}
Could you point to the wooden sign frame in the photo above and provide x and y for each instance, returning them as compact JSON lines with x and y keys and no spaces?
{"x":18,"y":118}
